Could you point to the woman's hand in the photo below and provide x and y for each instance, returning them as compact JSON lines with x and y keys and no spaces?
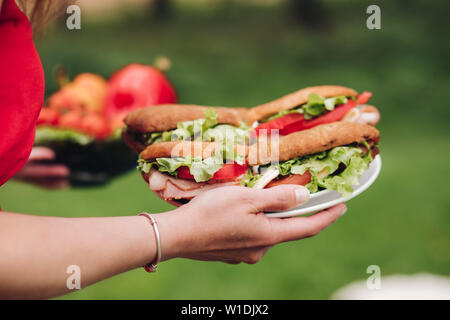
{"x":225,"y":224}
{"x":47,"y":175}
{"x":228,"y":224}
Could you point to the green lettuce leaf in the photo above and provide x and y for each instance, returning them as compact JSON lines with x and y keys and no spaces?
{"x":196,"y":128}
{"x":201,"y":169}
{"x":283,"y":113}
{"x":170,"y":165}
{"x":318,"y":105}
{"x":144,"y":166}
{"x":210,"y":118}
{"x":250,"y":179}
{"x":155,"y":137}
{"x":228,"y":134}
{"x":45,"y":135}
{"x":204,"y":129}
{"x":324,"y":167}
{"x":315,"y":107}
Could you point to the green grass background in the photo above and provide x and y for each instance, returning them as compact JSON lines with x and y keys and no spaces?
{"x":236,"y":55}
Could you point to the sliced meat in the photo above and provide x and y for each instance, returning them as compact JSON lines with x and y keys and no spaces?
{"x":300,"y":179}
{"x":158,"y":181}
{"x":363,"y":148}
{"x":176,"y":203}
{"x":184,"y":184}
{"x":168,"y":187}
{"x":172,"y":192}
{"x":374,"y":151}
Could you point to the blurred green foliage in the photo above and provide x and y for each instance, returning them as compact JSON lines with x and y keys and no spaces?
{"x":243,"y":56}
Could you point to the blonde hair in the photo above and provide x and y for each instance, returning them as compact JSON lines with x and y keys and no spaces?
{"x":41,"y":12}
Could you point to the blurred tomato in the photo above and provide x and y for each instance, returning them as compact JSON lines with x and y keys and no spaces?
{"x":86,"y":92}
{"x":95,"y":125}
{"x":65,"y":99}
{"x":136,"y":86}
{"x":48,"y":116}
{"x":71,"y":120}
{"x":93,"y":88}
{"x":91,"y":105}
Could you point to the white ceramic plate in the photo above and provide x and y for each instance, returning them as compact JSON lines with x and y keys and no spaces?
{"x":327,"y":198}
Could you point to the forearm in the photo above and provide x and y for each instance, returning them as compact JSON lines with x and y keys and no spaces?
{"x":35,"y":252}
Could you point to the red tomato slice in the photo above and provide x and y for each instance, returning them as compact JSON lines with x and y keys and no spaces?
{"x":228,"y":171}
{"x":364,"y":97}
{"x":296,"y":126}
{"x":295,"y":122}
{"x":335,"y":115}
{"x":279,"y":123}
{"x":300,"y":179}
{"x":183,"y":172}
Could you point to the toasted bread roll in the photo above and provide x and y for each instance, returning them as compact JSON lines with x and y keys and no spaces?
{"x":131,"y":142}
{"x":185,"y":148}
{"x":317,"y":139}
{"x":295,"y":99}
{"x":242,"y":113}
{"x":165,"y":117}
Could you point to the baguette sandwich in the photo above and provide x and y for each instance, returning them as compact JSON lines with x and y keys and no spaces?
{"x":163,"y":123}
{"x":330,"y":156}
{"x":177,"y":171}
{"x":310,"y":107}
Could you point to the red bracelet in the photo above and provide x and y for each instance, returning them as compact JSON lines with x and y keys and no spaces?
{"x":152,"y":266}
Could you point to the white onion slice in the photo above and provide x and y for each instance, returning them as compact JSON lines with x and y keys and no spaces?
{"x":268,"y":176}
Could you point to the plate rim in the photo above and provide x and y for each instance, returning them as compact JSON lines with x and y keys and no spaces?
{"x":296,"y":212}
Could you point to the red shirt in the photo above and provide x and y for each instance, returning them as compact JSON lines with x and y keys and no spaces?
{"x":21,"y":89}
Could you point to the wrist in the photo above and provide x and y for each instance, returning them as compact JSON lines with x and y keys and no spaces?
{"x":147,"y":241}
{"x":152,"y":266}
{"x":174,"y":234}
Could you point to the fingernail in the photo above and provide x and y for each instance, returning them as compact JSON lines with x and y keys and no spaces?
{"x":301,"y":195}
{"x":344,"y":211}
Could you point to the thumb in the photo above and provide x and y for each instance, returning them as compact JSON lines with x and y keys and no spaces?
{"x":279,"y":198}
{"x":302,"y":227}
{"x":41,"y":153}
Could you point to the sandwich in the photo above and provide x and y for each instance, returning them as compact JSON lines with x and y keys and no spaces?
{"x":310,"y":107}
{"x":177,"y":171}
{"x":241,"y":111}
{"x":329,"y":156}
{"x":164,"y":123}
